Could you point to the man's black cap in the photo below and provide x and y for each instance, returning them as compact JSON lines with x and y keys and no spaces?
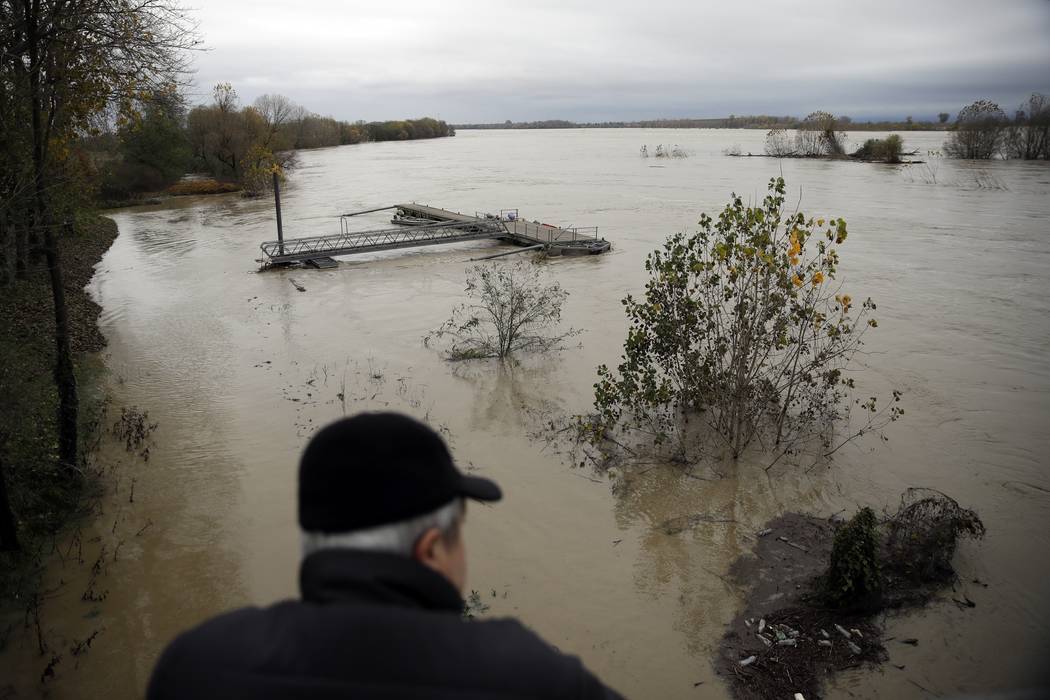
{"x":379,"y":468}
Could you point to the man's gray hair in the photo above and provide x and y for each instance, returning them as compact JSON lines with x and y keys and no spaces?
{"x":395,"y":538}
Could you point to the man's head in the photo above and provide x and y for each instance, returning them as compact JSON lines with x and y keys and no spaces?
{"x":386,"y":482}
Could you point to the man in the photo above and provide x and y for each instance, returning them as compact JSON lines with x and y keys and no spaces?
{"x":381,"y":506}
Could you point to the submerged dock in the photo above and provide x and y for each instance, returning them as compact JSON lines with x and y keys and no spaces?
{"x":417,"y":225}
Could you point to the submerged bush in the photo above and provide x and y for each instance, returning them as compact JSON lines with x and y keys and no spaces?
{"x":779,"y":144}
{"x":978,"y":133}
{"x":742,"y":334}
{"x":512,"y":308}
{"x":886,"y":150}
{"x":818,"y":135}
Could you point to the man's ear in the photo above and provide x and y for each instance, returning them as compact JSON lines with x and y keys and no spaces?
{"x":425,"y":549}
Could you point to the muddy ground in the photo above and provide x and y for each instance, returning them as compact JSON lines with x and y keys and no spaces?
{"x":804,"y":643}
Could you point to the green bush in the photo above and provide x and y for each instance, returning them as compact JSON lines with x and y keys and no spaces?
{"x":743,"y":335}
{"x":854,"y":576}
{"x":886,"y":150}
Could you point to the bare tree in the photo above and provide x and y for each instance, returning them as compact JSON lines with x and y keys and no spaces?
{"x":1028,"y":136}
{"x":512,"y":309}
{"x":978,"y":132}
{"x":276,"y":111}
{"x":817,"y":135}
{"x":778,"y":144}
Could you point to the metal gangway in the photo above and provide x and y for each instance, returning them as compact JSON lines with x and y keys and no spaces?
{"x":420,"y":225}
{"x":348,"y":242}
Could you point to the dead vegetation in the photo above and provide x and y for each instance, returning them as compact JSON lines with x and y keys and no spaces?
{"x":922,"y":536}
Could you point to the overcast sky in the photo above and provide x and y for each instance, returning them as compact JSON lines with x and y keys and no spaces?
{"x":490,"y":60}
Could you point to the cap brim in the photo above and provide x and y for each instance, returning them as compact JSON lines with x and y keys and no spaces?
{"x":479,"y":488}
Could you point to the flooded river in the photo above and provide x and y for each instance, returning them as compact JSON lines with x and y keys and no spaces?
{"x":238,"y":368}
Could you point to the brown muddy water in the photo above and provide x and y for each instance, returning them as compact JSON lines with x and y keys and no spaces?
{"x":238,"y":368}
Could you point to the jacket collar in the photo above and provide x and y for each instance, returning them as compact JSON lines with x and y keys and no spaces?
{"x":352,"y":576}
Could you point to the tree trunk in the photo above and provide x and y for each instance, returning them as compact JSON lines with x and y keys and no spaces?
{"x":8,"y":529}
{"x":7,"y":249}
{"x":21,"y":252}
{"x":65,"y":378}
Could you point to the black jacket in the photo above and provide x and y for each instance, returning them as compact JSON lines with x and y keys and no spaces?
{"x":370,"y":625}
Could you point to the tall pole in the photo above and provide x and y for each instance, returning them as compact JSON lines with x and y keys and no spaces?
{"x":277,"y":202}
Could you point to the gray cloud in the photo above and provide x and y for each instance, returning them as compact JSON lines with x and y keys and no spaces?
{"x":463,"y":60}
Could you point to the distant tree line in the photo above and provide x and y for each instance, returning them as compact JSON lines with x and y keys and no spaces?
{"x":731,"y":122}
{"x":981,"y":131}
{"x":228,"y":141}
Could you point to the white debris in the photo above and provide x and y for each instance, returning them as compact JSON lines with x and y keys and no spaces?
{"x":853,"y":647}
{"x":825,"y":634}
{"x":766,"y":640}
{"x":748,"y":661}
{"x":787,"y":642}
{"x":856,"y":631}
{"x":824,"y":642}
{"x":799,"y":696}
{"x":842,"y":631}
{"x":762,"y":625}
{"x":763,"y":533}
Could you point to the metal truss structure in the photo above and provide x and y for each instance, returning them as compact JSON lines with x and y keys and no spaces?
{"x":350,"y":242}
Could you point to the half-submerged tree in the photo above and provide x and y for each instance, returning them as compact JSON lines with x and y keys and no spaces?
{"x":818,"y":135}
{"x":743,"y":334}
{"x":779,"y":144}
{"x":979,"y":130}
{"x":1028,"y":137}
{"x":512,"y":309}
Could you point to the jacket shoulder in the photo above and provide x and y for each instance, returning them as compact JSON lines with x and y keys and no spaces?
{"x":304,"y":650}
{"x":511,"y":650}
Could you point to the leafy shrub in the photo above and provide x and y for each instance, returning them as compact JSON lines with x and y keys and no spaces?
{"x":854,"y":575}
{"x":887,"y":150}
{"x":743,"y":332}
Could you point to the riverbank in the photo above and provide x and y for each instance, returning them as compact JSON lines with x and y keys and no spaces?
{"x":44,"y":497}
{"x":189,"y":186}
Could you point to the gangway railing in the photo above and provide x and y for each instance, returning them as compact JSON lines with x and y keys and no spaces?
{"x":549,"y":233}
{"x":349,"y":242}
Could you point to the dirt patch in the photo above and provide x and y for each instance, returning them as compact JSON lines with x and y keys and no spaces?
{"x":785,"y":641}
{"x":799,"y":626}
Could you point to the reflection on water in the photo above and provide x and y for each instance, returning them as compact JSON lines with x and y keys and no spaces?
{"x":238,"y":368}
